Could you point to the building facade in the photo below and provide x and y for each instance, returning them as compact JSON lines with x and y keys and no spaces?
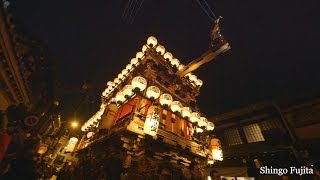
{"x":278,"y":134}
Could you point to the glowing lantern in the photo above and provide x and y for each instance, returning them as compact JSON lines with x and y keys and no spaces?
{"x":216,"y":149}
{"x":168,"y":56}
{"x":152,"y":41}
{"x":194,"y":117}
{"x":120,"y":97}
{"x":186,"y":112}
{"x":42,"y":149}
{"x":112,"y":100}
{"x":90,"y":134}
{"x":120,"y":76}
{"x":175,"y":62}
{"x":139,"y":83}
{"x":188,"y":75}
{"x":124,"y":72}
{"x":176,"y":106}
{"x":84,"y":127}
{"x":134,"y":61}
{"x":108,"y":116}
{"x":153,"y":92}
{"x":199,"y":82}
{"x":127,"y":90}
{"x":139,"y":55}
{"x":104,"y":93}
{"x":129,"y":67}
{"x":152,"y":121}
{"x":202,"y":121}
{"x":210,"y":126}
{"x":193,"y":78}
{"x":165,"y":99}
{"x":144,"y":49}
{"x":109,"y":83}
{"x":116,"y":80}
{"x":72,"y":144}
{"x":199,"y":130}
{"x":160,"y":49}
{"x":181,"y":66}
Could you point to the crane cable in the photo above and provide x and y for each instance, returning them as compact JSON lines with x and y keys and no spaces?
{"x":205,"y":6}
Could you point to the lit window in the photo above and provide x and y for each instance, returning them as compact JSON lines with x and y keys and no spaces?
{"x":253,"y":133}
{"x":232,"y":137}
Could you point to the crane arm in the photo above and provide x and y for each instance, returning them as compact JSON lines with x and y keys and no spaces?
{"x":218,"y":47}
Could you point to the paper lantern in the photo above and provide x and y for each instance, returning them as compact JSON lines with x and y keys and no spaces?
{"x":202,"y":122}
{"x":90,"y":134}
{"x":152,"y":41}
{"x":129,"y":67}
{"x":120,"y":97}
{"x":144,"y":49}
{"x":109,"y":83}
{"x":116,"y":80}
{"x":42,"y":149}
{"x":210,"y":126}
{"x":128,"y":90}
{"x":72,"y":144}
{"x":152,"y":121}
{"x":139,"y":83}
{"x":134,"y":61}
{"x":188,"y":75}
{"x":186,"y":112}
{"x":104,"y":93}
{"x":176,"y":106}
{"x":165,"y":99}
{"x":153,"y":92}
{"x":139,"y":55}
{"x":168,"y":56}
{"x":124,"y":72}
{"x":160,"y":49}
{"x":180,"y":67}
{"x":194,"y":117}
{"x":120,"y":76}
{"x":109,"y":116}
{"x":199,"y":82}
{"x":215,"y":147}
{"x":175,"y":62}
{"x":199,"y":130}
{"x":193,"y":78}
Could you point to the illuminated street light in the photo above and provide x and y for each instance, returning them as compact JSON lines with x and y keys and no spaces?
{"x":74,"y":124}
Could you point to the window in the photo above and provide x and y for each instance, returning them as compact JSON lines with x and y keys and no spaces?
{"x":270,"y":124}
{"x":232,"y":137}
{"x":253,"y":133}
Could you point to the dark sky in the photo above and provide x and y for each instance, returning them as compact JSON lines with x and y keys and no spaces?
{"x":275,"y":44}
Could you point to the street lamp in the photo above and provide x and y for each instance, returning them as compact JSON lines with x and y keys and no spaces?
{"x":74,"y":124}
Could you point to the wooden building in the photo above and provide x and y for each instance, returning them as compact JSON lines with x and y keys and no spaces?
{"x":280,"y":133}
{"x":149,"y":125}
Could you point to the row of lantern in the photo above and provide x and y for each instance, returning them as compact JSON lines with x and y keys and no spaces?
{"x":139,"y":83}
{"x":152,"y":42}
{"x":94,"y":119}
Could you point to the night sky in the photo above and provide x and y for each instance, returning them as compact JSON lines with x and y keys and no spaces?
{"x":275,"y":50}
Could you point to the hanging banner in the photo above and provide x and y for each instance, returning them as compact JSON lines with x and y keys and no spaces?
{"x":152,"y":121}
